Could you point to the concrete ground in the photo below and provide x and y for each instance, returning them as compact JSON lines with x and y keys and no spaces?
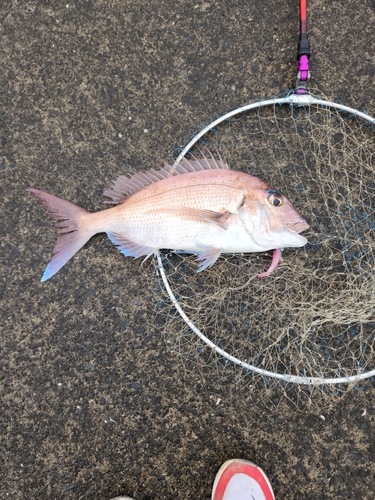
{"x":93,"y":403}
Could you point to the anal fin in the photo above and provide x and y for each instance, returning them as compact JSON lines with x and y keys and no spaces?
{"x":129,"y":248}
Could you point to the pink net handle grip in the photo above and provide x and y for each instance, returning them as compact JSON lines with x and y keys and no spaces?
{"x":303,"y":68}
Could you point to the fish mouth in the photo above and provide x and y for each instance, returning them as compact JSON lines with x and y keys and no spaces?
{"x":298,"y":226}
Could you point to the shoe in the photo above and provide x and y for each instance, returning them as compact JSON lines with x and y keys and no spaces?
{"x":241,"y":480}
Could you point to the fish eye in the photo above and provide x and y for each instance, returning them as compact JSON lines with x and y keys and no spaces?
{"x":275,"y":198}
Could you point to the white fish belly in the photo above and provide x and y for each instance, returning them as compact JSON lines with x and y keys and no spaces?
{"x":178,"y":233}
{"x":167,"y":232}
{"x":234,"y":239}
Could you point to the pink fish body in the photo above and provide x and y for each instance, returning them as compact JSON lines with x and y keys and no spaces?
{"x":197,"y":206}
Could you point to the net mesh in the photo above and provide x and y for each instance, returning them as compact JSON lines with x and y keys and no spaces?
{"x":314,"y":316}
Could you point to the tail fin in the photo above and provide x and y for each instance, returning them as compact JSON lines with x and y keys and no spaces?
{"x":70,"y":226}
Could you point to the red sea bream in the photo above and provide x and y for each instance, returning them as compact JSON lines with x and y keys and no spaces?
{"x":198,"y":206}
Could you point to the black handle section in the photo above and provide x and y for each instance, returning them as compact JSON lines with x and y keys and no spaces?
{"x":303,"y":46}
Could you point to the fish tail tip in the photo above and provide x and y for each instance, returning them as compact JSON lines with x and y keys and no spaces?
{"x":44,"y":278}
{"x":48,"y":273}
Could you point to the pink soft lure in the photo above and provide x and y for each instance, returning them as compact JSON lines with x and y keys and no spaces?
{"x":198,"y":206}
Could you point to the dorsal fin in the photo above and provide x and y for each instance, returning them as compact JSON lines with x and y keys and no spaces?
{"x":123,"y":186}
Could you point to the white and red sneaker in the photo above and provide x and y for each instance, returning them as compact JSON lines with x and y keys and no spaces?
{"x":241,"y":480}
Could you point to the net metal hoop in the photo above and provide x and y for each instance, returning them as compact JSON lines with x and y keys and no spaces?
{"x":291,"y":100}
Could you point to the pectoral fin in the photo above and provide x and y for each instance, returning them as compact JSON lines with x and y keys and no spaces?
{"x":219,"y":218}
